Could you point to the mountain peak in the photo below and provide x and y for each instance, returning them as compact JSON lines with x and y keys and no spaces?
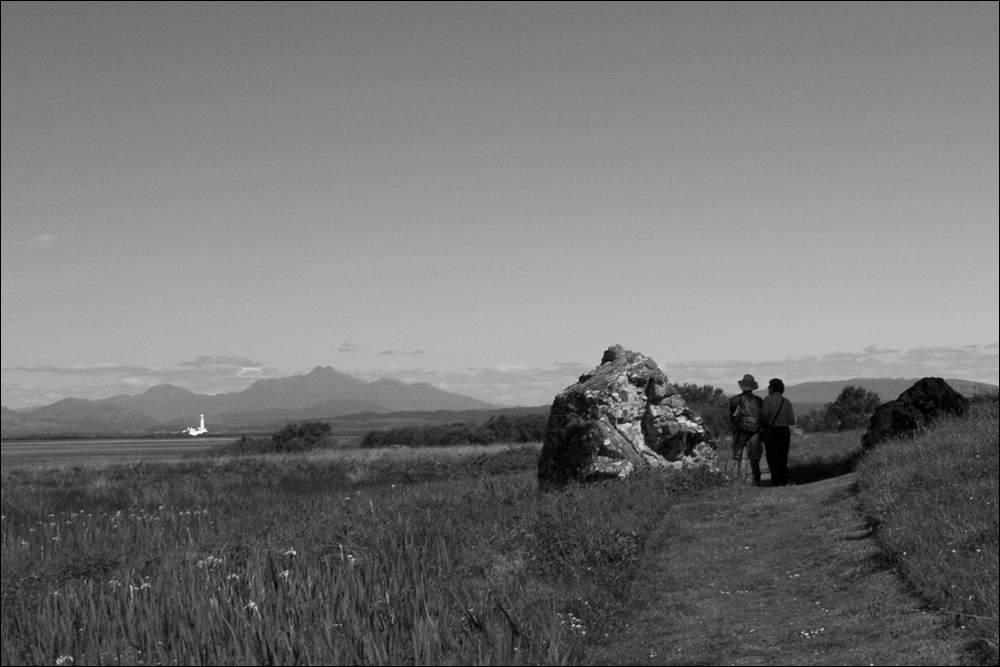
{"x":167,"y":390}
{"x":325,"y":372}
{"x":387,"y":382}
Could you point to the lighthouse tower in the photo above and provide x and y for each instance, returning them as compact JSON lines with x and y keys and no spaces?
{"x":191,"y":430}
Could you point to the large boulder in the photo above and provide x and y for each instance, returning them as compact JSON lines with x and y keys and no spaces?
{"x":622,"y":416}
{"x":928,"y":399}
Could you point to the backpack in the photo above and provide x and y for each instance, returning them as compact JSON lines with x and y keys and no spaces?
{"x":748,"y":414}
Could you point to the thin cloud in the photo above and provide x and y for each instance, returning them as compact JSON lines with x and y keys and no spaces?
{"x":576,"y":365}
{"x":978,"y":363}
{"x":575,"y":116}
{"x":94,"y":370}
{"x":348,"y":347}
{"x":206,"y":360}
{"x":939,"y":353}
{"x":874,"y":351}
{"x":42,"y":241}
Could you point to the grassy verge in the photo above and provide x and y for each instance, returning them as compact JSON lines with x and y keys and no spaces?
{"x":368,"y":557}
{"x":933,"y":499}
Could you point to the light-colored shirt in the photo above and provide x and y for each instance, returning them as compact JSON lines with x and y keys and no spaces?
{"x":774,"y":411}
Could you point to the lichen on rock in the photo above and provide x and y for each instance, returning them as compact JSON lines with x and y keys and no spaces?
{"x":623,"y":416}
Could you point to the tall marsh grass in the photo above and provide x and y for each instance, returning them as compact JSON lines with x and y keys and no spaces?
{"x":378,"y":557}
{"x":934,"y":501}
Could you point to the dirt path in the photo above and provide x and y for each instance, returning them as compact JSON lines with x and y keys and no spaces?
{"x":750,"y":576}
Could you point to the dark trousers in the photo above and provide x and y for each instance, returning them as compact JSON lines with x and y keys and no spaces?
{"x":776,"y":450}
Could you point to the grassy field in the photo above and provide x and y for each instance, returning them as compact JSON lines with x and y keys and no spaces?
{"x":443,"y":556}
{"x":372,"y":557}
{"x":68,"y":451}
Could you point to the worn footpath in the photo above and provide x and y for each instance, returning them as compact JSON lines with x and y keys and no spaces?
{"x":747,"y":576}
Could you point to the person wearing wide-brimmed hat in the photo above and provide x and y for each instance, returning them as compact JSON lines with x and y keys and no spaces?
{"x":745,"y":410}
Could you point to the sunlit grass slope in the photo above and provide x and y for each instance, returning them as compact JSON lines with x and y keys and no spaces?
{"x":934,"y":501}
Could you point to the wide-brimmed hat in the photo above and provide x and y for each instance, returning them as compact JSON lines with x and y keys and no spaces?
{"x":748,"y":382}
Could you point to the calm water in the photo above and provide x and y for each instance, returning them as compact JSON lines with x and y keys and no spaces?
{"x":117,"y":449}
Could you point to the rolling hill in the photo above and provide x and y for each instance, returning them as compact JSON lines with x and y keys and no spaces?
{"x":323,"y":393}
{"x":74,"y":415}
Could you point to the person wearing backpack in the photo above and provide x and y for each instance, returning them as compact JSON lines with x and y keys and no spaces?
{"x":776,"y":417}
{"x":745,"y":410}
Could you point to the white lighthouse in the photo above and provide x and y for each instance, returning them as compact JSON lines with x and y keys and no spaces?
{"x":191,"y":430}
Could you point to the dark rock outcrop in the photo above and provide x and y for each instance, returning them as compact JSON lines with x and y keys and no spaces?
{"x":928,"y":399}
{"x":621,"y":417}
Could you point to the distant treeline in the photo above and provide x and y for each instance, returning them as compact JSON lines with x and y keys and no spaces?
{"x":501,"y":428}
{"x":294,"y":437}
{"x":852,"y":409}
{"x":708,"y":401}
{"x":518,"y":427}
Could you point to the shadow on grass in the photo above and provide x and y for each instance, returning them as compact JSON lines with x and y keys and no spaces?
{"x":816,"y":471}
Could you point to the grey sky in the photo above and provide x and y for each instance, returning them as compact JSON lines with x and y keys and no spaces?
{"x":498,"y":186}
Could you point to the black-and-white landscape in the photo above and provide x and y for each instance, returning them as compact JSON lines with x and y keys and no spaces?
{"x":412,"y":263}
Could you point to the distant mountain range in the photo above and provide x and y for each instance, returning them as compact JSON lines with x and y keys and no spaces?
{"x":323,"y":393}
{"x":327,"y":394}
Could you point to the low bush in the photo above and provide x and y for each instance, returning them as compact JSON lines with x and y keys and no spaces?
{"x":301,"y":437}
{"x":292,"y":438}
